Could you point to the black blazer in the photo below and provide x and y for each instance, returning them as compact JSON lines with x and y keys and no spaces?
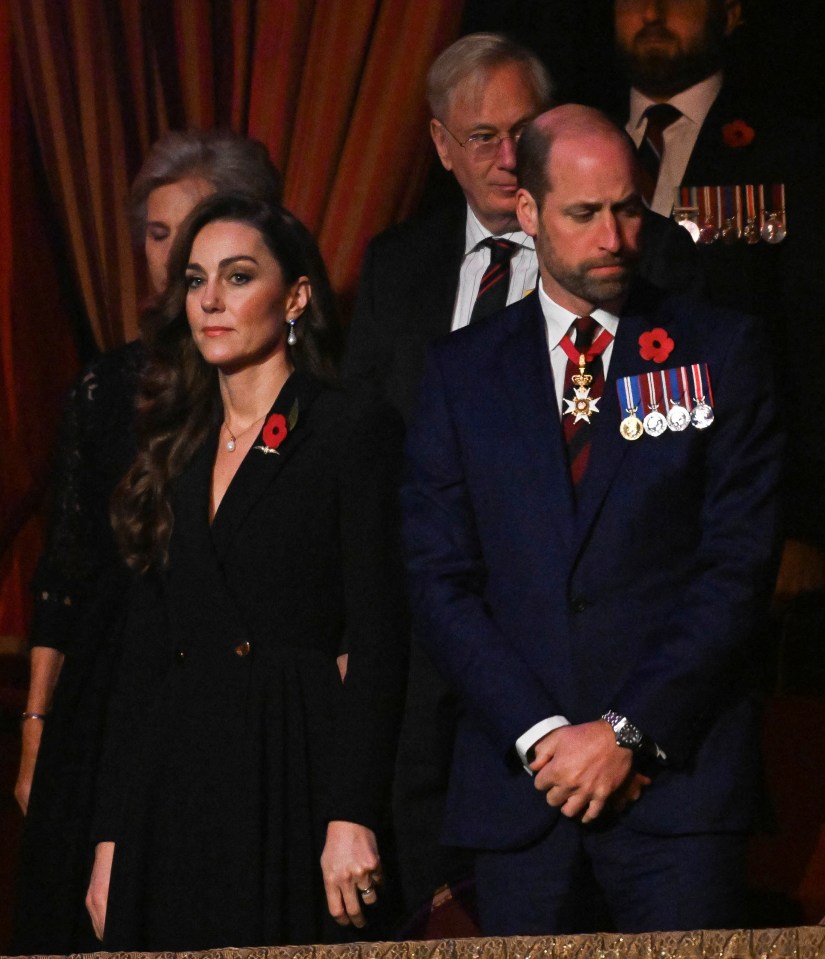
{"x":409,"y":283}
{"x":233,"y":740}
{"x":783,"y":283}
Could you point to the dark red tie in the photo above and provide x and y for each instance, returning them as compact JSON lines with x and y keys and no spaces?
{"x":652,"y":148}
{"x":578,"y":431}
{"x":492,"y":292}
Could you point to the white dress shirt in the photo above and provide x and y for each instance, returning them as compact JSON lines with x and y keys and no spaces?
{"x":679,"y":138}
{"x":523,"y":268}
{"x":559,"y":323}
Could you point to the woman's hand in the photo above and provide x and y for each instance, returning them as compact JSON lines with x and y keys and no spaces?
{"x":45,"y":664}
{"x":97,"y":895}
{"x":351,"y":868}
{"x":32,"y":730}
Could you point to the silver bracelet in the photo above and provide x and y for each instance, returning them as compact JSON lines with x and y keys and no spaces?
{"x":40,"y":716}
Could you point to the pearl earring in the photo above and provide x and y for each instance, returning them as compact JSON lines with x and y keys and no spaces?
{"x":292,"y":339}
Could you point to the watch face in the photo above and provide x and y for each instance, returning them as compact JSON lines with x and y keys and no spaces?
{"x":629,"y":736}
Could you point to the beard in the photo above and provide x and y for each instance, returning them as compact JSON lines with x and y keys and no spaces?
{"x":598,"y":290}
{"x":661,"y":72}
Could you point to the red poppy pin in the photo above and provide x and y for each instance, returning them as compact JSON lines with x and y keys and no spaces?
{"x":655,"y":345}
{"x":276,"y":429}
{"x":737,"y":133}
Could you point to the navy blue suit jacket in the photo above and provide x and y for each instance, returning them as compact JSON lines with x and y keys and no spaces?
{"x":644,"y":599}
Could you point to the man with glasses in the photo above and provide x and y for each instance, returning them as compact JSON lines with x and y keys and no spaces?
{"x":420,"y":280}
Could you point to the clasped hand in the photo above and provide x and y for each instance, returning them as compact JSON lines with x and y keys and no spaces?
{"x":582,"y":769}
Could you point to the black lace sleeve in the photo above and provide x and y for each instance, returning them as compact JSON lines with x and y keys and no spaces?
{"x":96,"y":445}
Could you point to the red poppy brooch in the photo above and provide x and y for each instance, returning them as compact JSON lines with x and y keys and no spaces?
{"x":737,"y":133}
{"x":276,"y":429}
{"x":655,"y":345}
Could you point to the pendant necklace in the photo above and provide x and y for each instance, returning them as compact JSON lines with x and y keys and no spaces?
{"x":232,"y":442}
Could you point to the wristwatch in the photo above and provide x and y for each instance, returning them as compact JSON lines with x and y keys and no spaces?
{"x":630,"y":736}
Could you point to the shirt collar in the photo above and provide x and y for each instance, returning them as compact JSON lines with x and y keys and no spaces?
{"x":694,"y":103}
{"x":474,"y":233}
{"x":559,"y":320}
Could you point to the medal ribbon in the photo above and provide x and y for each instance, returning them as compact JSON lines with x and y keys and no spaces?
{"x":629,"y":393}
{"x":665,"y":396}
{"x":596,"y":348}
{"x":778,"y":198}
{"x":701,"y":383}
{"x":676,"y":393}
{"x":650,"y":397}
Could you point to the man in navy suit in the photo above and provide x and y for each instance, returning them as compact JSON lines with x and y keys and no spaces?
{"x":419,"y":281}
{"x":590,"y":581}
{"x":674,"y":54}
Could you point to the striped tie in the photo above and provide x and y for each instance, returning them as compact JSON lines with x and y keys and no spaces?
{"x":578,"y":432}
{"x":652,"y":148}
{"x":492,"y":292}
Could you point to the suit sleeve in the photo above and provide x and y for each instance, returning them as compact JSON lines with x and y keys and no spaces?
{"x":366,"y":354}
{"x":377,"y":621}
{"x":705,"y":657}
{"x":142,"y":661}
{"x":446,"y":577}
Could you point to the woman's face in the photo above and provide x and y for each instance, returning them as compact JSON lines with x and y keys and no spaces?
{"x":166,"y":208}
{"x":237,"y":301}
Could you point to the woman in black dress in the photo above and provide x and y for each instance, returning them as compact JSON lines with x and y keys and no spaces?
{"x":247,"y":772}
{"x":80,"y":581}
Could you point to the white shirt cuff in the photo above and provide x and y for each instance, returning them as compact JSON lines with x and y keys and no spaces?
{"x":527,"y":740}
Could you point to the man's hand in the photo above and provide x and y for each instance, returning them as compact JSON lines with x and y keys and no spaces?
{"x":801,"y":570}
{"x":581,"y":767}
{"x":630,"y":790}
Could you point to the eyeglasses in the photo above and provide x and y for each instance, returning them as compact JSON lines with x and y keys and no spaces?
{"x":484,"y":146}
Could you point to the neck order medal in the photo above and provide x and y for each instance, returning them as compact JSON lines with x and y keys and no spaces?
{"x":583,"y":405}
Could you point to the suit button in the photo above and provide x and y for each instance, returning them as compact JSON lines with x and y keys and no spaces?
{"x":180,"y":655}
{"x":578,"y":604}
{"x":242,"y":649}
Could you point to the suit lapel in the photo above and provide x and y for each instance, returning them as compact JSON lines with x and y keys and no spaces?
{"x":259,"y":469}
{"x":441,"y":267}
{"x":528,"y":379}
{"x":191,"y":498}
{"x":608,"y":446}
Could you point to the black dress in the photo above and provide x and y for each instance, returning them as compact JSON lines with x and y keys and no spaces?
{"x":232,"y":739}
{"x":79,"y":590}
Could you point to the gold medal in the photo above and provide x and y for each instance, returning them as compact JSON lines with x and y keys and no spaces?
{"x":631,"y":427}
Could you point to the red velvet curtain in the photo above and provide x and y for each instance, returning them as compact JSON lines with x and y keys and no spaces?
{"x":335,"y":89}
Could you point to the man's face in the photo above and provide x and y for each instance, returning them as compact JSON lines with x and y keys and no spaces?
{"x":668,"y":45}
{"x":501,"y":105}
{"x":587,"y":229}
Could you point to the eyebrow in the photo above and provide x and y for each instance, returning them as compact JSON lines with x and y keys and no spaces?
{"x":227,"y":261}
{"x":484,"y":125}
{"x":594,"y":206}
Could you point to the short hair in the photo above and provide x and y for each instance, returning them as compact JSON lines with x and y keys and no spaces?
{"x":534,"y":145}
{"x":225,"y":159}
{"x":474,"y":56}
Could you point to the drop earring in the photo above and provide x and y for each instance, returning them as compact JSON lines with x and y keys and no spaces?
{"x":292,"y":339}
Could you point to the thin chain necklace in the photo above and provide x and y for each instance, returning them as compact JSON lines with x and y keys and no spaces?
{"x":232,"y":442}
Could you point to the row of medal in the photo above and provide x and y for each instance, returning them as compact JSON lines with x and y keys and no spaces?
{"x":732,"y":214}
{"x":671,"y":399}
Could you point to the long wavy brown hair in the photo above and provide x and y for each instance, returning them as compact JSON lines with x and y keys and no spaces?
{"x":179,"y":401}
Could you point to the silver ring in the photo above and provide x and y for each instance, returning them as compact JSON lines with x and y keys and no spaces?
{"x":368,"y":891}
